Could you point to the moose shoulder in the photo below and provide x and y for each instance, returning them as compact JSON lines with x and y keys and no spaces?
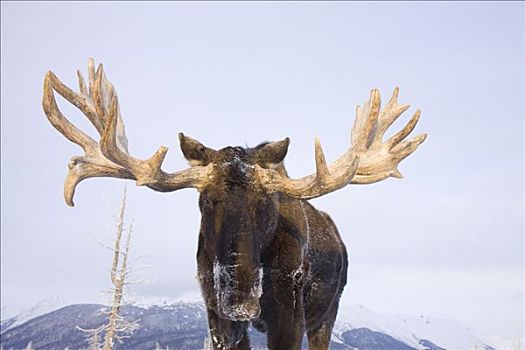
{"x":265,"y":255}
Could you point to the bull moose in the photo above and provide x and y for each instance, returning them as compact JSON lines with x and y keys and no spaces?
{"x":265,"y":254}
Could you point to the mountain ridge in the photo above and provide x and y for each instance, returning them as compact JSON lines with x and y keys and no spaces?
{"x":182,"y":325}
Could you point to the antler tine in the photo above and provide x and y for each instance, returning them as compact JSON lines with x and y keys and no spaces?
{"x":91,"y":75}
{"x":146,"y":172}
{"x":403,"y":133}
{"x":406,"y":148}
{"x":325,"y":180}
{"x":322,"y":171}
{"x":103,"y":94}
{"x":81,"y":83}
{"x":389,"y":115}
{"x":81,"y":101}
{"x":55,"y":116}
{"x":99,"y":102}
{"x":81,"y":168}
{"x":366,"y":122}
{"x":98,"y":95}
{"x":93,"y":163}
{"x":368,"y":159}
{"x":380,"y":159}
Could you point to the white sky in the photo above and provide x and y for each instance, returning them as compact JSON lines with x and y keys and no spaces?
{"x":448,"y":240}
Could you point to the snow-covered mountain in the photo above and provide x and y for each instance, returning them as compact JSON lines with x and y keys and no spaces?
{"x":42,"y":307}
{"x":415,"y":331}
{"x":180,"y":323}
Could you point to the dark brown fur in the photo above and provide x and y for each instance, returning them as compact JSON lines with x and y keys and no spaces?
{"x":244,"y":229}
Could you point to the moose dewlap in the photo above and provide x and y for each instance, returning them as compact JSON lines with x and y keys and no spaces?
{"x":265,"y":255}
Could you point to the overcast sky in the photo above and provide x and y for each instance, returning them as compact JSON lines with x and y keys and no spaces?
{"x":448,"y":240}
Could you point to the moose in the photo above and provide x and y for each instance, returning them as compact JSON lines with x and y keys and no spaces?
{"x":265,"y":255}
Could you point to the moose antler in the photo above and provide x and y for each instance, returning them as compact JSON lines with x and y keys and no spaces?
{"x":368,"y":159}
{"x":110,"y":157}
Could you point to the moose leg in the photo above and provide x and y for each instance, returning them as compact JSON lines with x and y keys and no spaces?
{"x":285,"y":327}
{"x":282,"y":303}
{"x":319,"y":338}
{"x":227,"y":334}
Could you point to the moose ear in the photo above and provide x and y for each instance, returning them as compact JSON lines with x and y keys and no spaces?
{"x":194,"y":151}
{"x":272,"y":153}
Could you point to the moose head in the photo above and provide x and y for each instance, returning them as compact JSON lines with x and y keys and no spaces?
{"x":255,"y":220}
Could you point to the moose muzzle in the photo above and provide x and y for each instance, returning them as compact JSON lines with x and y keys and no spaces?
{"x":238,"y":291}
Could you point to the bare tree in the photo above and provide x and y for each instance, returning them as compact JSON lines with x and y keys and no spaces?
{"x":117,"y":327}
{"x":95,"y":343}
{"x":94,"y":339}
